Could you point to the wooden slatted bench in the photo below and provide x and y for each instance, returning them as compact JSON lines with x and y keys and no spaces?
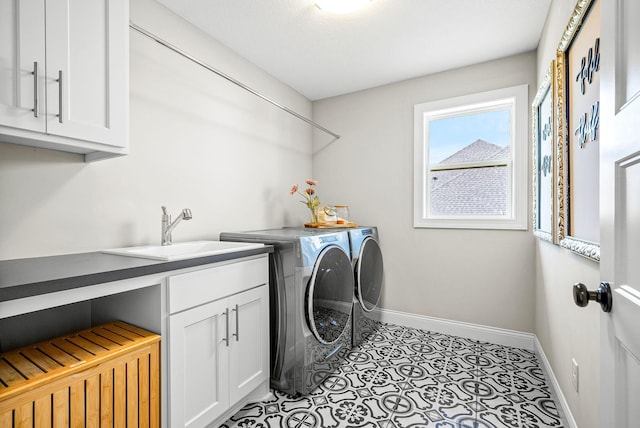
{"x":107,"y":375}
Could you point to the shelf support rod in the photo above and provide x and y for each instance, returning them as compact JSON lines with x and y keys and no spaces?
{"x":227,"y":77}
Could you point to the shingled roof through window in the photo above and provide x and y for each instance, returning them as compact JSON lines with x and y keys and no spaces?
{"x":476,"y":191}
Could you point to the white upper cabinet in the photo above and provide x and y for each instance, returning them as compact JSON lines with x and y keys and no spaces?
{"x":64,"y":75}
{"x":22,"y":67}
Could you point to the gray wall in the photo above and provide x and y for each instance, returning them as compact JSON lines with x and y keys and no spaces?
{"x":196,"y":141}
{"x":564,"y":330}
{"x":478,"y":276}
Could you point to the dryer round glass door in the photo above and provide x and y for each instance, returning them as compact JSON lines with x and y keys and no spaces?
{"x":330,"y":295}
{"x":369,"y":274}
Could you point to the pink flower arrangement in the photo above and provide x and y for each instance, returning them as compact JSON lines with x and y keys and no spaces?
{"x":309,"y":194}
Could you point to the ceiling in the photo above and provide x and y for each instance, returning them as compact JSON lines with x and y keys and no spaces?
{"x":322,"y":55}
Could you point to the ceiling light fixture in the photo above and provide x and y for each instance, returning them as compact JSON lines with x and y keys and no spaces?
{"x":341,"y":6}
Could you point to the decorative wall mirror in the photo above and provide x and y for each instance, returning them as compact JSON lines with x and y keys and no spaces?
{"x":544,"y":157}
{"x":578,"y":113}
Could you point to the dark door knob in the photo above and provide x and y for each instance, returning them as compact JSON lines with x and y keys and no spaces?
{"x":602,"y":295}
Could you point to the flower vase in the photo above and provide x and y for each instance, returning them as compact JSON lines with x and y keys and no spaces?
{"x":314,"y":216}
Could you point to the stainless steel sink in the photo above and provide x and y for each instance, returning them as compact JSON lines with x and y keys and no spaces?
{"x":183,"y":250}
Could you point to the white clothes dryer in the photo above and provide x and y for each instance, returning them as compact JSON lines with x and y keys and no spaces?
{"x":311,"y":298}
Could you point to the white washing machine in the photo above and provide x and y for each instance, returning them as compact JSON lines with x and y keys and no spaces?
{"x":311,"y":286}
{"x":366,"y":259}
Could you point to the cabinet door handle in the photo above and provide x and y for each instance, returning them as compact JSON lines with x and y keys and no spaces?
{"x":226,"y":316}
{"x":35,"y":88}
{"x":237,"y":333}
{"x":59,"y":95}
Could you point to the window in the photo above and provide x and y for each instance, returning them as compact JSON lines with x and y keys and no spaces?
{"x":470,"y":161}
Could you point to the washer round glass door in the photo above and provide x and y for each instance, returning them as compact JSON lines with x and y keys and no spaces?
{"x":369,"y":274}
{"x":330,"y":295}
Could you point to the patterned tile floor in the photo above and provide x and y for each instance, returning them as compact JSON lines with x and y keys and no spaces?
{"x":403,"y":377}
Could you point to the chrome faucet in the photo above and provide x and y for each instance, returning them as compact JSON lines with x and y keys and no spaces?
{"x":168,"y":226}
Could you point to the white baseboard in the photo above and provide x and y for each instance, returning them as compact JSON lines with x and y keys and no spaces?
{"x":499,"y":336}
{"x":555,"y":386}
{"x":262,"y":392}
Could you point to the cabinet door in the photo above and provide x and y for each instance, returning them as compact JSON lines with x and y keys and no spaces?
{"x":87,"y":70}
{"x":21,"y":51}
{"x":249,"y":348}
{"x":198,"y":361}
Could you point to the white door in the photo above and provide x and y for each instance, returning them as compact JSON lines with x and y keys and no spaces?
{"x":249,"y":347}
{"x":22,"y":65}
{"x":87,"y":70}
{"x":198,"y":362}
{"x":620,"y":213}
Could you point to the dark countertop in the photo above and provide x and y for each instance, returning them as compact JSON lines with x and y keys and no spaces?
{"x":21,"y":278}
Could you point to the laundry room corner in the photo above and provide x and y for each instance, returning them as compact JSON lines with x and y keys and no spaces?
{"x":483,"y":277}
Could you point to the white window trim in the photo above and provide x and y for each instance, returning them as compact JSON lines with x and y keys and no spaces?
{"x":518,"y":195}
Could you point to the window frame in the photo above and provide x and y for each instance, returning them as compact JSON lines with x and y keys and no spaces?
{"x":516,"y":97}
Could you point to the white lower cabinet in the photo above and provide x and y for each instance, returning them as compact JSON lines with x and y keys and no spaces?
{"x":218,"y":340}
{"x":249,"y":342}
